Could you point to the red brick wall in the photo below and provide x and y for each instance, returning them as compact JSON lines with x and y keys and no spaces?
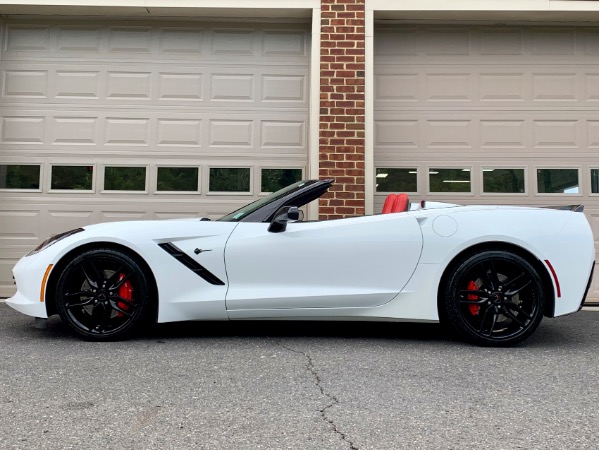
{"x":341,"y":132}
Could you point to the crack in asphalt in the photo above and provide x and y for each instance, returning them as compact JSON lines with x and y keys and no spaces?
{"x":333,"y":400}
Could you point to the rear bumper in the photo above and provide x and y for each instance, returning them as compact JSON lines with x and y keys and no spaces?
{"x":584,"y":297}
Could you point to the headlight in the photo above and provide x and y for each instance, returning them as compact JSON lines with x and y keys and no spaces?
{"x":53,"y":239}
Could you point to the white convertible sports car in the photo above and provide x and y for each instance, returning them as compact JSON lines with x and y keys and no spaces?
{"x":492,"y":272}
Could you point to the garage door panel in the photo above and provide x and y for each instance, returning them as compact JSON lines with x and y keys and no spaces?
{"x":34,"y":132}
{"x":23,"y":130}
{"x":174,"y":40}
{"x":473,"y":85}
{"x":19,"y":227}
{"x":155,"y":85}
{"x":504,"y":133}
{"x":453,"y":103}
{"x":169,"y":103}
{"x":458,"y":43}
{"x":179,"y":132}
{"x":560,"y":134}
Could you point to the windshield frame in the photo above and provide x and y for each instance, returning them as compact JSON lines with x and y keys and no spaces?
{"x":239,"y":214}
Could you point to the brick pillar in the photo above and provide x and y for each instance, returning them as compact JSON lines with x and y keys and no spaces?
{"x":341,"y":134}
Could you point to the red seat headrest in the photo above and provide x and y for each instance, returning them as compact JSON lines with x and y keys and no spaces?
{"x":395,"y":203}
{"x":389,"y":203}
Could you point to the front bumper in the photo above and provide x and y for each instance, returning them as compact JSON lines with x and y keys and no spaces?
{"x":26,"y":306}
{"x":28,"y":274}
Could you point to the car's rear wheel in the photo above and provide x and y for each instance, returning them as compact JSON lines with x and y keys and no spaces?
{"x":494,"y":297}
{"x":103,"y":294}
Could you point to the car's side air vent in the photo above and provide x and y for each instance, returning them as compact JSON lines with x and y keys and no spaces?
{"x":191,"y":264}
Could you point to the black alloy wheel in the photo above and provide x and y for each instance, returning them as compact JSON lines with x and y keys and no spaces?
{"x":494,"y":298}
{"x":103,"y":294}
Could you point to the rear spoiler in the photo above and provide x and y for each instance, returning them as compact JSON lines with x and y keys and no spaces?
{"x":574,"y":208}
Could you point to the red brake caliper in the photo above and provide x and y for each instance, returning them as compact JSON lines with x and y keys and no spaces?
{"x":474,"y":309}
{"x":125,"y":292}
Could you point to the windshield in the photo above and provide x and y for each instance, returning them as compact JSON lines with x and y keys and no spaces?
{"x":236,"y":216}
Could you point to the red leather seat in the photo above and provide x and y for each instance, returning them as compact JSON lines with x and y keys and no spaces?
{"x":395,"y":203}
{"x":389,"y":203}
{"x":401,"y":203}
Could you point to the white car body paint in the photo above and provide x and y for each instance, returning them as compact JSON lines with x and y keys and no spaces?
{"x":383,"y":267}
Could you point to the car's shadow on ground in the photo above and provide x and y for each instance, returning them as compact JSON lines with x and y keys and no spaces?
{"x":550,"y":334}
{"x":315,"y":329}
{"x":579,"y":330}
{"x":56,"y":329}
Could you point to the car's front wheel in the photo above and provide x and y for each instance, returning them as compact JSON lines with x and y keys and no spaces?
{"x":494,"y":297}
{"x":103,"y":294}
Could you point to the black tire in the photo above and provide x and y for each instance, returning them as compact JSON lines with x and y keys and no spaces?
{"x":103,"y":294}
{"x":494,"y":298}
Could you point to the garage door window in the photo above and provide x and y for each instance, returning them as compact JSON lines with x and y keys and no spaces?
{"x":557,"y":181}
{"x":124,"y":178}
{"x":229,"y":179}
{"x":595,"y":181}
{"x":177,"y":179}
{"x":274,"y":179}
{"x":503,"y":181}
{"x":20,"y":176}
{"x":72,"y":178}
{"x":449,"y":180}
{"x":392,"y":179}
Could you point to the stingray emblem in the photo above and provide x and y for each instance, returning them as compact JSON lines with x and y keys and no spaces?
{"x":197,"y":251}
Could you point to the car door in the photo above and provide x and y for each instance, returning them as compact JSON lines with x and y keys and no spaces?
{"x":355,"y":262}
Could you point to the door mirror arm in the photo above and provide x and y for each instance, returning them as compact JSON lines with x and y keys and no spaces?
{"x":284,"y":215}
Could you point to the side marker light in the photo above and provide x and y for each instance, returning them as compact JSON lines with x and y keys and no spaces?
{"x":44,"y":280}
{"x":559,"y":291}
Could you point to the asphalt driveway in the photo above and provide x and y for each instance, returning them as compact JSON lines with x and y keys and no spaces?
{"x":297,"y":386}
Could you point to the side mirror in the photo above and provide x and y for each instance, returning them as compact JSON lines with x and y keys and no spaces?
{"x":284,"y":215}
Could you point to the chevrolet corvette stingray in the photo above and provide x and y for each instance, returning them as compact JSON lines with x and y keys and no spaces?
{"x":490,"y":272}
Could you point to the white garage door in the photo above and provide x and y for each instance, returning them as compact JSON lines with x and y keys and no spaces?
{"x":488,"y":114}
{"x":131,"y":120}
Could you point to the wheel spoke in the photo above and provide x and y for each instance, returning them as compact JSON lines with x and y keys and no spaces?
{"x":490,"y":274}
{"x":474,"y":302}
{"x":103,"y":321}
{"x":495,"y":316}
{"x":114,"y":277}
{"x":514,"y":318}
{"x":120,"y":282}
{"x":87,"y":292}
{"x":474,"y":292}
{"x":517,"y":308}
{"x":483,"y":320}
{"x":80,"y":304}
{"x":114,"y":305}
{"x":128,"y":302}
{"x":512,"y":293}
{"x":509,"y":284}
{"x":91,"y":273}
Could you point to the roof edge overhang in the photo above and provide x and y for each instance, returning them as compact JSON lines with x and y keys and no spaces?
{"x":163,"y":8}
{"x":486,"y":10}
